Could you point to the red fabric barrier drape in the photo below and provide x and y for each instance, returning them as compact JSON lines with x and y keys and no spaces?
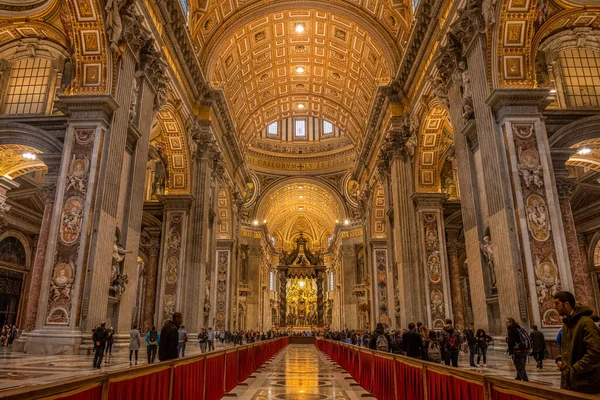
{"x":355,"y":367}
{"x":383,"y":385}
{"x":188,"y":381}
{"x":94,"y":393}
{"x":242,"y":364}
{"x":496,"y":395}
{"x":148,"y":387}
{"x":366,"y":371}
{"x":448,"y":387}
{"x":215,"y":377}
{"x":231,"y":371}
{"x":409,"y":381}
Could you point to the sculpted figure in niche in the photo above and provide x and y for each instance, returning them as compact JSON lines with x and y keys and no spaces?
{"x":488,"y":252}
{"x":114,"y":25}
{"x":118,"y":281}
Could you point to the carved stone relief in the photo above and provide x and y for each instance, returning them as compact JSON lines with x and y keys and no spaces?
{"x":434,"y":268}
{"x":172,"y":262}
{"x":71,"y":222}
{"x":539,"y":233}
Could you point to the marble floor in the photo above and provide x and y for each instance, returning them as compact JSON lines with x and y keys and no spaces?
{"x":297,"y":372}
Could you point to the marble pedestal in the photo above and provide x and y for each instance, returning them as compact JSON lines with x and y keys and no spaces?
{"x":53,"y":341}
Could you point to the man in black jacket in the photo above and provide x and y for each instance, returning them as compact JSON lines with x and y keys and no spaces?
{"x":99,"y":337}
{"x":538,"y":346}
{"x":472,"y":342}
{"x":516,"y":348}
{"x":412,"y":342}
{"x":169,"y":338}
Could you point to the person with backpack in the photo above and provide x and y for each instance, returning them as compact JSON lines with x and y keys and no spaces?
{"x":434,"y":350}
{"x":211,"y":340}
{"x":451,"y":340}
{"x":152,"y":340}
{"x":519,"y":345}
{"x":412,"y":342}
{"x":380,"y":340}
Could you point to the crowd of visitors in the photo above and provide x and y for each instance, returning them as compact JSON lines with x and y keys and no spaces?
{"x":579,"y":341}
{"x":170,"y":343}
{"x":8,"y":335}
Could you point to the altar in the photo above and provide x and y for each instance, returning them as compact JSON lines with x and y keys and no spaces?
{"x":302,"y":280}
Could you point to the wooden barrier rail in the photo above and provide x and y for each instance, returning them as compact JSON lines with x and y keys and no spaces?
{"x":394,"y":377}
{"x":206,"y":376}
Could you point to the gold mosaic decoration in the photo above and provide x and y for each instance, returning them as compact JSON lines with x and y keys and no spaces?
{"x":174,"y":144}
{"x":436,"y":136}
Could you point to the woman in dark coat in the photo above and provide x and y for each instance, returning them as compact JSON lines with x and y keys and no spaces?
{"x":482,"y":340}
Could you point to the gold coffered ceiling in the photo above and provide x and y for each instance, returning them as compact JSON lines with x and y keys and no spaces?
{"x":301,"y":206}
{"x":14,"y":164}
{"x":258,"y":69}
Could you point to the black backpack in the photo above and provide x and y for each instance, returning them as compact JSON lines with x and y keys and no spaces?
{"x":153,"y":337}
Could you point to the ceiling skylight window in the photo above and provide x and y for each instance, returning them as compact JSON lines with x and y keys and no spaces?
{"x":272,"y":129}
{"x":300,"y":70}
{"x":300,"y":127}
{"x":327,"y":128}
{"x":299,"y":28}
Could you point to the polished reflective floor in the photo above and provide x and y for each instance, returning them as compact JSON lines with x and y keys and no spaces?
{"x":299,"y":372}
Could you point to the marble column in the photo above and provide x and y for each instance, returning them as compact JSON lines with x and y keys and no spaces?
{"x":48,"y":189}
{"x":582,"y":280}
{"x":432,"y":245}
{"x":66,"y":267}
{"x":171,"y":277}
{"x":117,"y":213}
{"x":382,"y":290}
{"x":320,"y":297}
{"x":201,"y":132}
{"x":223,"y":293}
{"x":283,"y":296}
{"x":537,"y":207}
{"x":396,"y":159}
{"x":458,"y":306}
{"x":150,"y":293}
{"x":499,"y":285}
{"x":350,"y":305}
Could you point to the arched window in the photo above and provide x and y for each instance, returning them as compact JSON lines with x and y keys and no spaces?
{"x":572,"y":61}
{"x":28,"y":86}
{"x":597,"y":254}
{"x":12,"y":251}
{"x":580,"y":73}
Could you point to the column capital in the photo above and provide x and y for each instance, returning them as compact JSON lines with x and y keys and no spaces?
{"x":401,"y":138}
{"x":134,"y":33}
{"x":176,"y":201}
{"x":565,"y":186}
{"x":507,"y":103}
{"x":429,"y":200}
{"x":91,"y":108}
